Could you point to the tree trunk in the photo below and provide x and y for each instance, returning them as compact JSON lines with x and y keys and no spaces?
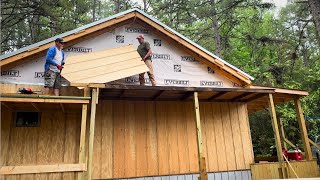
{"x":53,"y":26}
{"x":215,"y":27}
{"x":33,"y":29}
{"x":145,"y":5}
{"x":315,"y":11}
{"x":94,"y":10}
{"x":117,"y":6}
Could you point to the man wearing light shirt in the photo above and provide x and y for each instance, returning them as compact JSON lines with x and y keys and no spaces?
{"x":53,"y":66}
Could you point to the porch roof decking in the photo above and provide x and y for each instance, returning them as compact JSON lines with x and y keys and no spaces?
{"x":256,"y":96}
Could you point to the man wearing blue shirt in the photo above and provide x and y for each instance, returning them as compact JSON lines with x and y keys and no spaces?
{"x":53,"y":66}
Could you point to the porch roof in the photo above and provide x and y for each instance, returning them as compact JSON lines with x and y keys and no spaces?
{"x":256,"y":96}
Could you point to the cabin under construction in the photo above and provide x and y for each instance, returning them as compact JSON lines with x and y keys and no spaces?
{"x":106,"y":126}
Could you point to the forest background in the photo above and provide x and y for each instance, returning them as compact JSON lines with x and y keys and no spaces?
{"x":280,"y":47}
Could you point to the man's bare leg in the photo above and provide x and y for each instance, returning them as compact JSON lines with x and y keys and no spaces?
{"x":46,"y":91}
{"x":56,"y":92}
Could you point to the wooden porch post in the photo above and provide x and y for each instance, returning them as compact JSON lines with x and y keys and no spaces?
{"x":91,"y":132}
{"x":202,"y":161}
{"x":275,"y":126}
{"x":303,"y":129}
{"x":83,"y":131}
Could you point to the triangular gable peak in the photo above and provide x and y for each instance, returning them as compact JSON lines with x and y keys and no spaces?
{"x":121,"y":29}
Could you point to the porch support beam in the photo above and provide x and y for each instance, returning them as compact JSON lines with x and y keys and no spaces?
{"x":275,"y":126}
{"x":202,"y":161}
{"x":303,"y":129}
{"x":82,"y":148}
{"x":91,"y":132}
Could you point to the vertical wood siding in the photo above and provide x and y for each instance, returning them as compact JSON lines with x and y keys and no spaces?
{"x":134,"y":139}
{"x":159,"y":138}
{"x":55,"y":141}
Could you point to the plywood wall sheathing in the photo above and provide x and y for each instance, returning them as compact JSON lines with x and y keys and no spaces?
{"x":56,"y":141}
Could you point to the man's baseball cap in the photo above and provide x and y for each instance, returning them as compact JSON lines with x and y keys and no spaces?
{"x":59,"y":40}
{"x":140,"y":36}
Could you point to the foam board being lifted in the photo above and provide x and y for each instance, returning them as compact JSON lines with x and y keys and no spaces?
{"x":104,"y":66}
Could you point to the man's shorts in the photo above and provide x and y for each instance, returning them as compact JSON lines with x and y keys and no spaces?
{"x":52,"y":79}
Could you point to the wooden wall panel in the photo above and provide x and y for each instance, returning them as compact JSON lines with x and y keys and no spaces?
{"x":152,"y":146}
{"x":72,"y":140}
{"x":204,"y":133}
{"x":118,"y":145}
{"x":237,"y":141}
{"x":44,"y":142}
{"x":228,"y":138}
{"x":189,"y":117}
{"x":54,"y":141}
{"x":211,"y":144}
{"x":162,"y":136}
{"x":137,"y":139}
{"x":182,"y":140}
{"x":6,"y":123}
{"x":7,"y":141}
{"x":57,"y":145}
{"x":245,"y":135}
{"x":130,"y":140}
{"x":96,"y":159}
{"x":107,"y":139}
{"x":141,"y":138}
{"x":172,"y":137}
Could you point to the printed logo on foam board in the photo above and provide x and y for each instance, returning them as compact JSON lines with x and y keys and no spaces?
{"x":172,"y":66}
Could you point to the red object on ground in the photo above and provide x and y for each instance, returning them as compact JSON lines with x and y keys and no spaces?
{"x":295,"y":155}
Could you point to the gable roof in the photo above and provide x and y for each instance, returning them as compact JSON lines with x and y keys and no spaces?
{"x":134,"y":15}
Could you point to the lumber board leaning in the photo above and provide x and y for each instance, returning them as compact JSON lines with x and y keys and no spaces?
{"x":202,"y":161}
{"x":41,"y":168}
